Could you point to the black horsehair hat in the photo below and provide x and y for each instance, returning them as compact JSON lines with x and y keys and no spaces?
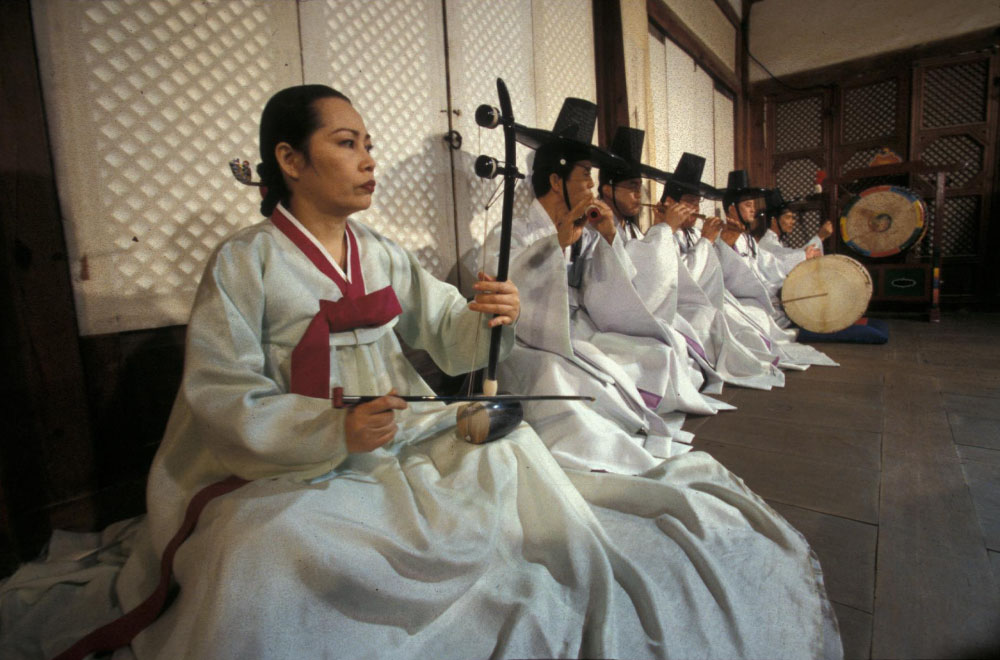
{"x":571,"y":135}
{"x":687,"y":178}
{"x":776,"y":204}
{"x":738,"y":187}
{"x":627,"y":144}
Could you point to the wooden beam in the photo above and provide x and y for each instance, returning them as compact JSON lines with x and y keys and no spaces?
{"x":744,"y":115}
{"x":730,"y":13}
{"x":609,"y":52}
{"x":673,"y":27}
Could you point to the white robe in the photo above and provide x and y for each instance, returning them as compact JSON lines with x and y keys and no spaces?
{"x":659,"y":257}
{"x":431,"y":547}
{"x":702,"y":261}
{"x":584,"y":330}
{"x":787,"y":257}
{"x":754,"y":279}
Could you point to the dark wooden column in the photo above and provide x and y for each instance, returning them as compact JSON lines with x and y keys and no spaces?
{"x":45,"y":450}
{"x":609,"y":51}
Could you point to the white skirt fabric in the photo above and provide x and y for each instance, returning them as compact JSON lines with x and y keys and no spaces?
{"x":450,"y":550}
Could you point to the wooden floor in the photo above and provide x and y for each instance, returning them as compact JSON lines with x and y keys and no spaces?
{"x":890,"y":467}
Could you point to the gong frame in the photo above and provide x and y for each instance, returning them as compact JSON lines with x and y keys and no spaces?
{"x":832,"y":186}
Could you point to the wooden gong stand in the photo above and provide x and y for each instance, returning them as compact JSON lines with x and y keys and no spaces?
{"x":911,"y":168}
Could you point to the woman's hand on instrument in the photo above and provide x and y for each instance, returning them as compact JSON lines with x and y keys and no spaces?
{"x":711,"y":228}
{"x":499,"y":298}
{"x":812,"y":252}
{"x":370,"y":425}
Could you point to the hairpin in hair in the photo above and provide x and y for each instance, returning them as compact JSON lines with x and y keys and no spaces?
{"x":241,"y":170}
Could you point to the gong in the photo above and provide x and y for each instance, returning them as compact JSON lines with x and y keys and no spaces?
{"x":883,"y":221}
{"x":826,"y":294}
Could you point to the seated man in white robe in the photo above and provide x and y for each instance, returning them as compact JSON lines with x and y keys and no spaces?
{"x":686,"y":306}
{"x":781,"y":221}
{"x":586,"y":330}
{"x":754,"y":277}
{"x":697,"y":243}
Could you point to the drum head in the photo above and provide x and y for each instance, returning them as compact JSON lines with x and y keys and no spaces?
{"x":826,"y":294}
{"x":883,"y":220}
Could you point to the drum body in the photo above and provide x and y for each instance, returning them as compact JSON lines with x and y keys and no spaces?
{"x":827,"y":294}
{"x":883,"y":221}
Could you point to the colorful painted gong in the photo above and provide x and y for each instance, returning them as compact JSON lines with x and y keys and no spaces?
{"x":883,"y":221}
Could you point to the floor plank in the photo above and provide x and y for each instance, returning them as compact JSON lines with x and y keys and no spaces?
{"x":847,"y":374}
{"x":855,"y":632}
{"x":975,"y":431}
{"x":835,"y":446}
{"x":929,"y":504}
{"x":935,"y":593}
{"x":932,"y":605}
{"x":967,"y":453}
{"x":848,"y":492}
{"x":846,"y":551}
{"x":983,"y":479}
{"x":837,"y":409}
{"x":973,"y":406}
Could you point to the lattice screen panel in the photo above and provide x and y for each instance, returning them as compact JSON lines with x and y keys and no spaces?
{"x":147,"y":101}
{"x":954,"y":149}
{"x":870,"y":111}
{"x":388,"y":57}
{"x":725,"y":139}
{"x":657,"y":130}
{"x":559,"y":71}
{"x":960,"y":232}
{"x":955,"y":94}
{"x":805,"y":228}
{"x":690,"y":111}
{"x":487,"y":40}
{"x":562,"y":71}
{"x":796,"y":178}
{"x":798,"y":124}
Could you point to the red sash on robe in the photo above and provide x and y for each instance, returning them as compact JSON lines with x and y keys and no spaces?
{"x":356,"y":309}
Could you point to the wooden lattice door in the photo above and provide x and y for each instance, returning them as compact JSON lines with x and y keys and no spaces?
{"x":954,"y":110}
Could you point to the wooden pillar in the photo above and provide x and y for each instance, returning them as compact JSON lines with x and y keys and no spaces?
{"x":609,"y":51}
{"x":45,"y":450}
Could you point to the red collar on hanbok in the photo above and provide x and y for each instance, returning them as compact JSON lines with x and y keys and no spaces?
{"x":355,"y":309}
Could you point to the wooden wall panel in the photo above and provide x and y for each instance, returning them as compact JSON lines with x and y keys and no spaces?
{"x":875,"y":103}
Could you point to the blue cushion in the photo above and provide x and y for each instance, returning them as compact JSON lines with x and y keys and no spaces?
{"x":865,"y":331}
